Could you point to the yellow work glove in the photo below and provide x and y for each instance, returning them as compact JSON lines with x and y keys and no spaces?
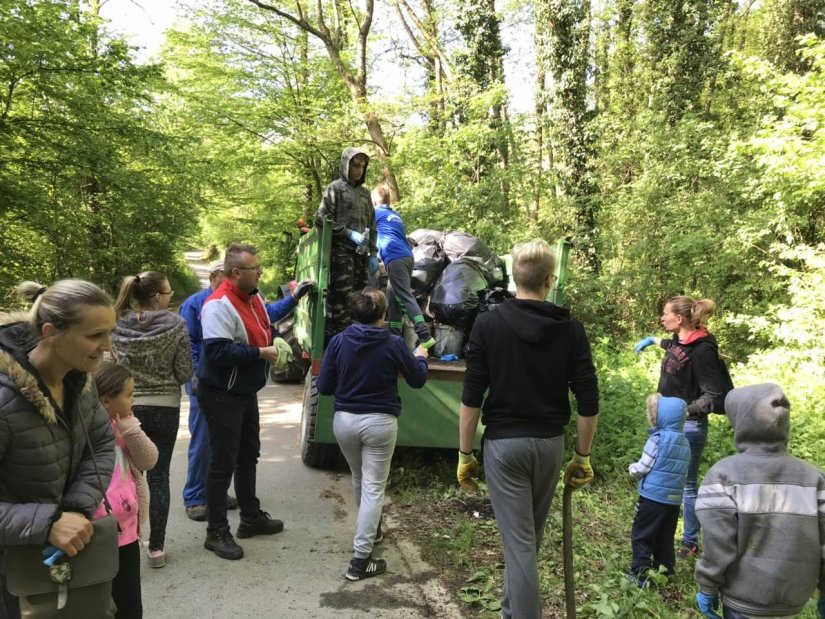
{"x":578,"y":473}
{"x":467,"y":470}
{"x":284,"y":353}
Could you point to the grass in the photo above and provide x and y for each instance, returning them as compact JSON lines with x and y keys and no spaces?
{"x":458,"y":534}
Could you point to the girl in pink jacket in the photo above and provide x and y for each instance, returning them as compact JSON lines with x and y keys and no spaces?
{"x":128,"y":492}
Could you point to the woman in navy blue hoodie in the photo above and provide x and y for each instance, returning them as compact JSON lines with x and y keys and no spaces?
{"x":360,"y":368}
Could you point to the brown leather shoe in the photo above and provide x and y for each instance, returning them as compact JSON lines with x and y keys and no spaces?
{"x":196,"y":513}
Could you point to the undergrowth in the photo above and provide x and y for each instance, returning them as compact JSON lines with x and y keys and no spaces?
{"x":458,"y":534}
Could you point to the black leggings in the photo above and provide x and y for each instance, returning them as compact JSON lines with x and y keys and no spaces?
{"x":9,"y":604}
{"x":160,"y":423}
{"x":126,"y":585}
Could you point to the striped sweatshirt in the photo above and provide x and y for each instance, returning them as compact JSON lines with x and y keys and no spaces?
{"x":763,"y":513}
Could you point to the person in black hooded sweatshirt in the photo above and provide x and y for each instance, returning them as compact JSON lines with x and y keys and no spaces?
{"x":360,"y":368}
{"x":526,"y":355}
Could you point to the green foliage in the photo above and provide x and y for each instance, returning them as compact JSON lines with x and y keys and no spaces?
{"x":83,"y":165}
{"x":782,"y":22}
{"x":469,"y":547}
{"x":480,"y":588}
{"x":267,"y":121}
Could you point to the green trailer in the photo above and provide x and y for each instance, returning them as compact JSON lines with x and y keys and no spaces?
{"x":430,"y":414}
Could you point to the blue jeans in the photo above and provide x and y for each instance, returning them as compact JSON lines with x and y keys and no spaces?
{"x":194,"y":491}
{"x":696,"y":433}
{"x":367,"y":441}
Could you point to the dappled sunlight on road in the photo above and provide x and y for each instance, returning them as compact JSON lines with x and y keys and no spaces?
{"x":279,"y":405}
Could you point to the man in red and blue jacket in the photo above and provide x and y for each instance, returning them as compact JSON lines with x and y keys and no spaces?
{"x":238,"y":347}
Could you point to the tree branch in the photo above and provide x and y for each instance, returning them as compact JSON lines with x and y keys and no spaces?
{"x":363,"y":33}
{"x":300,"y":22}
{"x":431,"y":42}
{"x":410,"y":33}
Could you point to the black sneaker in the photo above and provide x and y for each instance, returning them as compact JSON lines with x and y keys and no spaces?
{"x":359,"y":569}
{"x":231,"y":502}
{"x":640,"y":580}
{"x":223,"y":544}
{"x":263,"y":524}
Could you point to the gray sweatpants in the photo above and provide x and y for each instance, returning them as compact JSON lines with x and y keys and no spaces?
{"x":522,"y":474}
{"x":400,"y":299}
{"x":367,"y":441}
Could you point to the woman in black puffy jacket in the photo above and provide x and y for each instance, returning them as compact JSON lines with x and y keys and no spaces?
{"x":48,"y":486}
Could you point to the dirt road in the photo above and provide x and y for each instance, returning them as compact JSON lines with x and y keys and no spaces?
{"x":297,"y":573}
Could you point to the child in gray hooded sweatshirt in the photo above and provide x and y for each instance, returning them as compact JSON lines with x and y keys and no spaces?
{"x":763,"y":516}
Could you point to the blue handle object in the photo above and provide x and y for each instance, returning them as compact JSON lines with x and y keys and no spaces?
{"x":820,"y":606}
{"x":642,"y":344}
{"x":51,"y":554}
{"x":708,"y":604}
{"x":449,"y":358}
{"x":373,"y":265}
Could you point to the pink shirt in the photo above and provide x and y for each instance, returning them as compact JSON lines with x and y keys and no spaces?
{"x":122,"y":494}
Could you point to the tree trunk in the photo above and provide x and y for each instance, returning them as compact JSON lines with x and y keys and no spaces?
{"x":376,"y":132}
{"x":336,"y":41}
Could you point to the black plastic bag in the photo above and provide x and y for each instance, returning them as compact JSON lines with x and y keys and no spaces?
{"x":455,"y":296}
{"x":425,"y":236}
{"x":489,"y":300}
{"x":429,"y":262}
{"x":459,"y":244}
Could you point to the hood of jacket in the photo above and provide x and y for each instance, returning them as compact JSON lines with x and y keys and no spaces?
{"x":671,"y":414}
{"x":16,"y":340}
{"x":533,"y":321}
{"x":346,"y":157}
{"x":700,"y":337}
{"x":363,"y":337}
{"x":761,"y":418}
{"x":147,"y":324}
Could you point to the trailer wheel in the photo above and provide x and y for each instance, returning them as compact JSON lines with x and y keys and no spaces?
{"x":316,"y":455}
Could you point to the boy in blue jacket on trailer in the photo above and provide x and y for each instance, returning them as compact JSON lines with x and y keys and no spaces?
{"x":662,"y":472}
{"x":397,"y":256}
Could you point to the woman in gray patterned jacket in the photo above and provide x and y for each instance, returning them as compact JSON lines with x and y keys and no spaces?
{"x":153,"y":344}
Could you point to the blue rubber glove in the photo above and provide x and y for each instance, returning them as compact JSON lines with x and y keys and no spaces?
{"x":708,"y":604}
{"x":820,"y":606}
{"x":357,"y":238}
{"x":373,"y":265}
{"x":642,"y":344}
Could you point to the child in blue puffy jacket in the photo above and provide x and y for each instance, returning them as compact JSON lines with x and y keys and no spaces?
{"x":661,"y":471}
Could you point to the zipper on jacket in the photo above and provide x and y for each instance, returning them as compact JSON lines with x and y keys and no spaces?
{"x":255,"y":315}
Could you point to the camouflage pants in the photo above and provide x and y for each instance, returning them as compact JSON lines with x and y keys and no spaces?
{"x":348,"y":272}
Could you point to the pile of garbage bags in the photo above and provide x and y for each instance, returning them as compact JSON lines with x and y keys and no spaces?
{"x":455,"y":277}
